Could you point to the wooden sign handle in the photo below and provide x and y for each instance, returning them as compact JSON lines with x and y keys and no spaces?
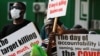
{"x":54,"y":25}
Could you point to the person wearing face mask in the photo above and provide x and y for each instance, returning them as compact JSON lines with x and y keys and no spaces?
{"x":16,"y":12}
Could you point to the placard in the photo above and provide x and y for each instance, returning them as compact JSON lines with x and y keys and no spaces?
{"x":20,"y":42}
{"x":78,"y":45}
{"x":57,"y":8}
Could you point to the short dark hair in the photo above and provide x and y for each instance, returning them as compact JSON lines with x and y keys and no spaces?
{"x":77,"y":26}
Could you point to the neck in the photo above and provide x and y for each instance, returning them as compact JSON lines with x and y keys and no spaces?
{"x":18,"y":21}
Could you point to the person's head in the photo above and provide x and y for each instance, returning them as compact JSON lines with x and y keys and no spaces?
{"x":92,"y":32}
{"x":75,"y":27}
{"x":17,"y":10}
{"x":49,"y":25}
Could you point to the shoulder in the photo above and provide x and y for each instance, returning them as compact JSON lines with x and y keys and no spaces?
{"x":8,"y":25}
{"x":27,"y":21}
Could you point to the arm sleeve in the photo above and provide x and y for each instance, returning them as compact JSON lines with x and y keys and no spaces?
{"x":43,"y":33}
{"x":3,"y":32}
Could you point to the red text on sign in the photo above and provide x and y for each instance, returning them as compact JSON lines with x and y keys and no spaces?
{"x":56,"y":10}
{"x":36,"y":42}
{"x":88,"y":53}
{"x":13,"y":54}
{"x":23,"y":49}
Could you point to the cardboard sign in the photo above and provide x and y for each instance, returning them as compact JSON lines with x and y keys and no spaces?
{"x":56,"y":8}
{"x":78,"y":45}
{"x":20,"y":42}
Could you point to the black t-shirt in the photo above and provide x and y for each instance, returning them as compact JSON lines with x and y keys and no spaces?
{"x":10,"y":28}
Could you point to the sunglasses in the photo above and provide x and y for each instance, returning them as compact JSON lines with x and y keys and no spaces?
{"x":17,"y":7}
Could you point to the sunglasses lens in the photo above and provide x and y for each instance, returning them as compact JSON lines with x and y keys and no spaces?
{"x":16,"y":7}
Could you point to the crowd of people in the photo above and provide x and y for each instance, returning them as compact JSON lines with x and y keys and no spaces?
{"x":17,"y":12}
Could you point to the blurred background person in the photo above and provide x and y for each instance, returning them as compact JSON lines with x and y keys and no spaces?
{"x":92,"y":32}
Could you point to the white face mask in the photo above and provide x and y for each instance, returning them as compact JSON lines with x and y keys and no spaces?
{"x":15,"y":13}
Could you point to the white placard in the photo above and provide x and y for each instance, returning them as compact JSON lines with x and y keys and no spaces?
{"x":56,"y":8}
{"x":78,"y":45}
{"x":20,"y":42}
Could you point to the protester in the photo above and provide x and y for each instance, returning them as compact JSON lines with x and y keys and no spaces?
{"x":48,"y":36}
{"x":48,"y":26}
{"x":16,"y":12}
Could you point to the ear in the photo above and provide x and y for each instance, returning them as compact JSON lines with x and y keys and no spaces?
{"x":22,"y":13}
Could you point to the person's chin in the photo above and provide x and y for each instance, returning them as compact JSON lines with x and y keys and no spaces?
{"x":17,"y":19}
